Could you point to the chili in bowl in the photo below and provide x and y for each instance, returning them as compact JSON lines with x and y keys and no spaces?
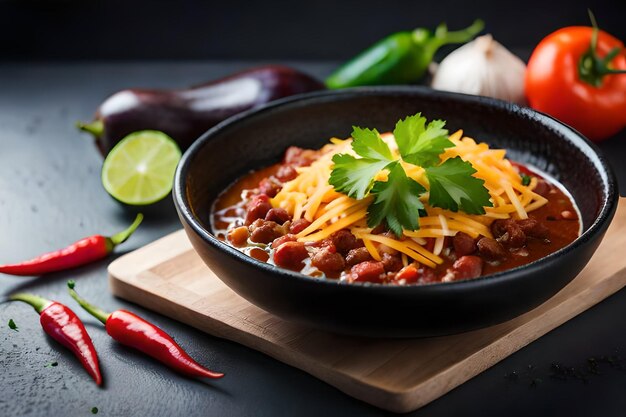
{"x":291,"y":216}
{"x":265,"y":203}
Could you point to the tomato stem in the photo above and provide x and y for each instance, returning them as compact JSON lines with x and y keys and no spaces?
{"x":592,"y":68}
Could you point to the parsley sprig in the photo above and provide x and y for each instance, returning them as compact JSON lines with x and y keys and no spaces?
{"x":397,"y":200}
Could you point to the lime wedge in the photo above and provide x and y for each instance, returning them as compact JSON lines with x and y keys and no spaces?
{"x":139,"y":170}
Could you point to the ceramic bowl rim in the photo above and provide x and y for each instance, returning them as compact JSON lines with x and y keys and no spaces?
{"x":573,"y":138}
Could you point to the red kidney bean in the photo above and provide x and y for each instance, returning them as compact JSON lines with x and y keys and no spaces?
{"x":257,"y":208}
{"x":278,"y":215}
{"x":286,"y":238}
{"x":344,"y":241}
{"x":268,"y":187}
{"x":290,"y":255}
{"x":286,"y":173}
{"x":327,"y":260}
{"x":300,"y":157}
{"x":467,"y":267}
{"x":463,"y":244}
{"x":299,"y":225}
{"x":263,"y":231}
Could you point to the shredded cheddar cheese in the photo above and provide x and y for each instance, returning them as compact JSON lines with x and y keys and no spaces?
{"x":310,"y":196}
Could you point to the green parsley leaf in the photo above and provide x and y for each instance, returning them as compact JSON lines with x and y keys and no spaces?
{"x":396,"y":201}
{"x":420,"y":144}
{"x":13,"y":326}
{"x":368,"y":144}
{"x":94,"y":410}
{"x":525,"y":179}
{"x":52,"y":364}
{"x":354,"y":176}
{"x":453,"y":187}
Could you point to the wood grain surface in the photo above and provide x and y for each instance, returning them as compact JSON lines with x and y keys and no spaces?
{"x":399,"y":375}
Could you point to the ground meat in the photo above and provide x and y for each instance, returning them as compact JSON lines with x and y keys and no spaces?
{"x":491,"y":249}
{"x":467,"y":267}
{"x":344,"y":241}
{"x":357,"y":255}
{"x":463,"y":244}
{"x":513,"y":236}
{"x":327,"y":260}
{"x":238,"y":236}
{"x":533,"y":228}
{"x":299,"y":225}
{"x":286,"y":173}
{"x":290,"y":255}
{"x":286,"y":238}
{"x":497,"y":228}
{"x":392,"y":263}
{"x":369,"y":271}
{"x":268,"y":187}
{"x":263,"y":231}
{"x":278,"y":215}
{"x":257,"y":208}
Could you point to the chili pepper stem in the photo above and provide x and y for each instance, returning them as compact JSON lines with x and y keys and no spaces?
{"x":38,"y":303}
{"x":96,"y":127}
{"x":122,"y":236}
{"x":459,"y":36}
{"x":90,"y":308}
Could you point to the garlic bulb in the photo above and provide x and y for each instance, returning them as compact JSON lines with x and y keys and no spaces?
{"x":482,"y":67}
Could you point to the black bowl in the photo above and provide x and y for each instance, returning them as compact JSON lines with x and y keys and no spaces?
{"x":258,"y":138}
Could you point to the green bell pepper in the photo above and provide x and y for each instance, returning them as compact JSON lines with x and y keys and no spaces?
{"x":400,"y":58}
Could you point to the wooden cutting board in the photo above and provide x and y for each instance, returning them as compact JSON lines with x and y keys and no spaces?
{"x":400,"y":375}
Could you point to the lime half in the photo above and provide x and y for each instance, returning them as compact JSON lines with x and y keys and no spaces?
{"x":139,"y":170}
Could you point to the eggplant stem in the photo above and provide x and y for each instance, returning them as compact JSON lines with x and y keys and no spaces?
{"x":96,"y":127}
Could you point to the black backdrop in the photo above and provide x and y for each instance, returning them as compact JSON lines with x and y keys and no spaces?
{"x":266,"y":30}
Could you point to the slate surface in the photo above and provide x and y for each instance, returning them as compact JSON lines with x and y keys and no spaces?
{"x":50,"y":195}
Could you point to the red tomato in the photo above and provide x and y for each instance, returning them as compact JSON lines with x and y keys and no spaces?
{"x":554,"y":84}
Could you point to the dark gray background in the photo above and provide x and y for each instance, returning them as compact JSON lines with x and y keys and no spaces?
{"x":50,"y":195}
{"x":285,"y":29}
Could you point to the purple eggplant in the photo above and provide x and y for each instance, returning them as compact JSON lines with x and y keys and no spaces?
{"x":186,"y":114}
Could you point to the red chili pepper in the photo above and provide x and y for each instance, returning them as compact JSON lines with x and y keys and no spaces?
{"x":65,"y":327}
{"x":131,"y":330}
{"x":84,"y":251}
